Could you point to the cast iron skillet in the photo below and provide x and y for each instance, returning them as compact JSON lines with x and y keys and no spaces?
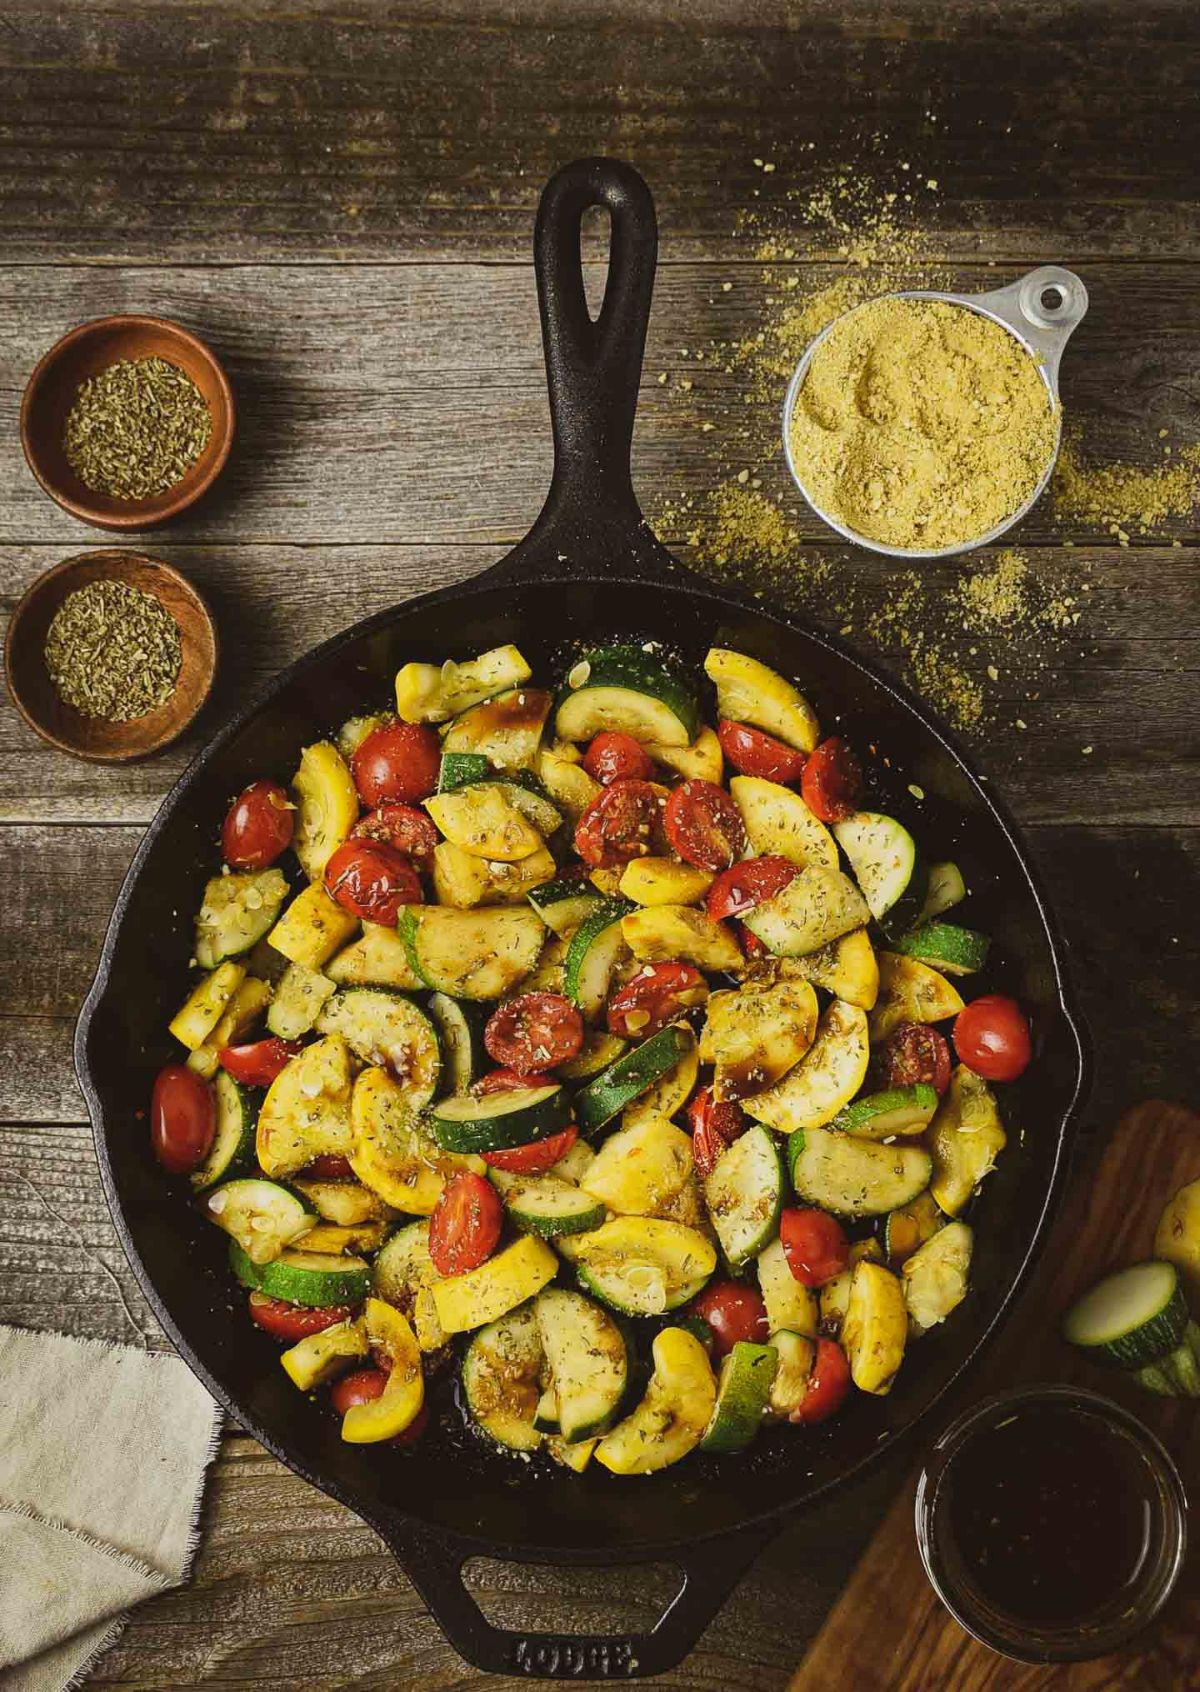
{"x":590,"y":569}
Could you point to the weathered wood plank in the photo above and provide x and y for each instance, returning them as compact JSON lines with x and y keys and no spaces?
{"x":141,"y":132}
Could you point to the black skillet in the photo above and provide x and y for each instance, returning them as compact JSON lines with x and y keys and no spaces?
{"x":589,"y":570}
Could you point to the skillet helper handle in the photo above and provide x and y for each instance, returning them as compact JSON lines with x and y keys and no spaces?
{"x":434,"y":1562}
{"x":593,"y":368}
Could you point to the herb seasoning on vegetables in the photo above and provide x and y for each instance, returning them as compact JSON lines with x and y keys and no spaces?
{"x":136,"y":429}
{"x":113,"y":651}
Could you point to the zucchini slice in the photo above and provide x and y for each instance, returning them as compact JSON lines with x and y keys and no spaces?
{"x":550,"y":975}
{"x":910,"y":992}
{"x":629,"y":690}
{"x":390,"y":1336}
{"x":790,"y":1304}
{"x":755,"y":1035}
{"x":874,"y":1328}
{"x":820,"y":905}
{"x":597,"y":947}
{"x":482,"y":1295}
{"x":665,"y":933}
{"x":546,"y":1205}
{"x":389,"y":1152}
{"x":319,"y":1357}
{"x":846,"y":968}
{"x":238,"y":910}
{"x":498,"y":1121}
{"x":779,"y":823}
{"x":584,"y":1351}
{"x":506,"y":730}
{"x":599,"y":1049}
{"x":1177,"y":1375}
{"x":574,"y":1164}
{"x":662,"y":881}
{"x":672,"y":1091}
{"x":703,"y":760}
{"x":1130,"y":1318}
{"x":608,"y":1093}
{"x":433,"y":693}
{"x":1177,"y":1237}
{"x":643,"y":1266}
{"x":344,"y":1203}
{"x":671,"y":1419}
{"x":743,"y":1394}
{"x":909,"y":1227}
{"x":460,"y":1029}
{"x":827,"y":1077}
{"x":750,"y":692}
{"x":501,"y":1375}
{"x":403,"y":1275}
{"x":379,"y":959}
{"x":306,"y":1112}
{"x":304,"y":1277}
{"x":233,"y":1143}
{"x":461,"y":769}
{"x":296,"y":1003}
{"x":935,"y":1277}
{"x":640,"y":1169}
{"x":482,"y":821}
{"x":313,"y":928}
{"x":887,"y":866}
{"x":855,"y":1177}
{"x":795,"y":1354}
{"x":384,"y":1028}
{"x":466,"y":882}
{"x":356,"y":729}
{"x":883,"y":1116}
{"x":471,"y":954}
{"x":946,"y":889}
{"x":946,"y":946}
{"x":205,"y":1005}
{"x":744,"y":1195}
{"x":564,"y":903}
{"x":326,"y":807}
{"x":261,"y":1216}
{"x":965,"y":1138}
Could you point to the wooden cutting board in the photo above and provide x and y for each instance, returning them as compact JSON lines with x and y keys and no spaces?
{"x":888,"y":1632}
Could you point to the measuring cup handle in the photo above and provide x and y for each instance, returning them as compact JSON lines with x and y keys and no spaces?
{"x":1044,"y":307}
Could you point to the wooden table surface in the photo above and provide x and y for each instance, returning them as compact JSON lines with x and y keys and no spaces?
{"x":341,"y":198}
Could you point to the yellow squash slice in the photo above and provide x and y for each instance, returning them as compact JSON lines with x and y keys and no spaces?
{"x":825,"y":1079}
{"x":326,"y":806}
{"x":390,"y":1337}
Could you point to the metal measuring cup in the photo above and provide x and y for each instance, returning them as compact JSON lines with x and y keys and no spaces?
{"x":1041,"y":311}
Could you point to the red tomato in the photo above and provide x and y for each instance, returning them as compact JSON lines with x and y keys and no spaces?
{"x":410,"y":831}
{"x":617,"y":757}
{"x":257,"y":1064}
{"x":742,"y":886}
{"x":753,"y":753}
{"x":832,"y":783}
{"x":397,"y":761}
{"x":714,"y":1129}
{"x":621,"y":823}
{"x":991,"y":1036}
{"x":704,"y":825}
{"x":292,"y":1322}
{"x":750,"y":943}
{"x":258,"y":827}
{"x":828,"y":1384}
{"x":535,"y":1158}
{"x":183,"y":1119}
{"x":734,"y":1312}
{"x":464,"y":1229}
{"x":659,"y":993}
{"x":914,"y":1052}
{"x":507,"y":1081}
{"x":372,"y":881}
{"x":815,"y":1246}
{"x":533,"y":1032}
{"x":330,"y":1167}
{"x":361,"y":1386}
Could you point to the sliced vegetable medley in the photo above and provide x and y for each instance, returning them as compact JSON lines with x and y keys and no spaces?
{"x":616,"y":1059}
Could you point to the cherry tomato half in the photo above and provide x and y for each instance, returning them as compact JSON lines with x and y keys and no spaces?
{"x":464,"y":1229}
{"x":183,"y":1119}
{"x":814,"y":1244}
{"x":621,"y":823}
{"x":292,"y":1322}
{"x":753,"y":753}
{"x":734,"y":1312}
{"x":410,"y":831}
{"x":361,"y":1386}
{"x":658,"y":994}
{"x":912,"y":1053}
{"x":832,"y":783}
{"x":828,"y":1384}
{"x":617,"y":757}
{"x":742,"y":886}
{"x":704,"y":826}
{"x":258,"y":1063}
{"x":535,"y":1158}
{"x":372,"y":881}
{"x":397,"y":761}
{"x":258,"y":826}
{"x":533,"y":1032}
{"x":991,"y":1036}
{"x":330,"y":1166}
{"x":507,"y":1081}
{"x":714,"y":1129}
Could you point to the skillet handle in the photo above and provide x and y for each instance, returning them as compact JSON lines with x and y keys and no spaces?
{"x":433,"y":1561}
{"x":593,"y":368}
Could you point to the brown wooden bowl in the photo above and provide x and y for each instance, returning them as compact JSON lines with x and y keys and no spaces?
{"x":84,"y":353}
{"x":35,"y":695}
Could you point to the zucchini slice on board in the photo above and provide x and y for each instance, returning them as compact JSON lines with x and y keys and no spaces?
{"x":261,"y":1216}
{"x":313,"y":928}
{"x":481,"y":1295}
{"x":390,"y":1152}
{"x":673,"y":1414}
{"x":751,"y":692}
{"x":326,"y":806}
{"x":465,"y":882}
{"x":481,"y":820}
{"x":585,"y":1357}
{"x":607,"y":1094}
{"x":564,"y":903}
{"x":501,"y":1377}
{"x":669,"y":933}
{"x":779,"y":823}
{"x":672,"y":1091}
{"x":743,"y":1394}
{"x":703,"y":760}
{"x":640,"y":1169}
{"x":882,"y":1116}
{"x":304,"y":1277}
{"x":296,"y":1004}
{"x":433,"y":693}
{"x":790,"y":1304}
{"x":498,"y":1121}
{"x":378,"y":959}
{"x":887,"y":866}
{"x":744,"y":1195}
{"x":306,"y":1112}
{"x":910,"y":992}
{"x":643,"y":1266}
{"x":935,"y":1277}
{"x":846,"y":968}
{"x":547,"y":1205}
{"x":390,"y":1336}
{"x":471,"y":954}
{"x":403,"y":1275}
{"x":820,"y":905}
{"x":965,"y":1138}
{"x":319,"y":1357}
{"x":205,"y":1005}
{"x":1130,"y":1318}
{"x":232,"y":1149}
{"x":382,"y":1027}
{"x":460,"y":1028}
{"x":597,"y":946}
{"x":756,"y":1034}
{"x":946,"y":946}
{"x":874,"y":1328}
{"x":795,"y":1354}
{"x":662,"y":881}
{"x":827,"y":1077}
{"x":506,"y":730}
{"x":238,"y":910}
{"x":630,"y":691}
{"x":855,"y":1177}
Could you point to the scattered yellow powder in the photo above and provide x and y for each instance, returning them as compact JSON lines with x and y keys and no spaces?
{"x":997,"y":597}
{"x":1121,"y":497}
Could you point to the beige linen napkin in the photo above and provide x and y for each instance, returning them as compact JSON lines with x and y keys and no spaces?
{"x":103,"y":1451}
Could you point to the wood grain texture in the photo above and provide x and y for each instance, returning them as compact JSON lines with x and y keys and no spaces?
{"x":912,"y":1642}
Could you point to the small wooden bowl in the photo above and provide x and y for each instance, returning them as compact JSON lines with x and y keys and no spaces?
{"x":85,"y":352}
{"x":35,"y":695}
